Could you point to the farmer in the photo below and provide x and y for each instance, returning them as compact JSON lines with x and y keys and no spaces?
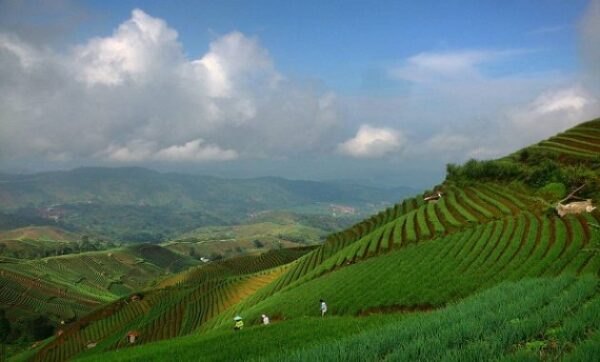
{"x":323,"y":308}
{"x":239,"y":323}
{"x":265,"y":319}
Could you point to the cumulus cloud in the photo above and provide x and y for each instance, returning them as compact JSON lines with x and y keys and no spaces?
{"x":140,"y":45}
{"x":564,"y":100}
{"x":196,"y":150}
{"x":553,"y":111}
{"x":456,"y":109}
{"x":372,"y":142}
{"x":429,"y":67}
{"x":550,"y":112}
{"x":134,"y":96}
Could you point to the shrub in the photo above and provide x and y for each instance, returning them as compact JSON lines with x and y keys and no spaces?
{"x":553,"y":191}
{"x":4,"y":327}
{"x":533,"y":167}
{"x":36,"y":328}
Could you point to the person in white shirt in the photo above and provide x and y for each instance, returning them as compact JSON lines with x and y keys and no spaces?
{"x":265,"y":319}
{"x":323,"y":308}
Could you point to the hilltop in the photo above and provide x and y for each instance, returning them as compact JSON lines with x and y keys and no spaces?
{"x":481,"y":267}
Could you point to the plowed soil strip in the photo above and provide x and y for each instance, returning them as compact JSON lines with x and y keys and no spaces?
{"x":577,"y":144}
{"x":484,"y":204}
{"x":464,"y":202}
{"x":509,"y":240}
{"x":514,"y":209}
{"x":445,"y":223}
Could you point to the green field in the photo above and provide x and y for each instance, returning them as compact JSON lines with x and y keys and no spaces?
{"x":513,"y":321}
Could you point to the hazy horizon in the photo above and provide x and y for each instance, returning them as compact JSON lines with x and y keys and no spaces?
{"x":387,"y":92}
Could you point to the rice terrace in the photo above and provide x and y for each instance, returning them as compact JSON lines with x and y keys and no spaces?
{"x":178,"y":222}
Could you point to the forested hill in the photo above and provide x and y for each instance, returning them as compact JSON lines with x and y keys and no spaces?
{"x":144,"y":205}
{"x":134,"y":186}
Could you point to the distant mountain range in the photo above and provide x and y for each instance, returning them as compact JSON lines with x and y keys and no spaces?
{"x":144,"y":205}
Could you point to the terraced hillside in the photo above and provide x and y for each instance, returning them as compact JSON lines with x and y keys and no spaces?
{"x":34,"y":242}
{"x":69,"y":286}
{"x":487,"y":271}
{"x":48,"y":233}
{"x":529,"y":320}
{"x":179,"y":309}
{"x":273,"y":230}
{"x":581,"y":141}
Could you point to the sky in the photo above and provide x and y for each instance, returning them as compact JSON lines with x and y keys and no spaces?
{"x":381,"y":92}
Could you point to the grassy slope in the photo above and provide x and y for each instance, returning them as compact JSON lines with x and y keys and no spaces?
{"x":46,"y":233}
{"x":177,"y":309}
{"x":72,"y":285}
{"x":230,"y":241}
{"x":251,"y":342}
{"x":35,"y":242}
{"x":556,"y":317}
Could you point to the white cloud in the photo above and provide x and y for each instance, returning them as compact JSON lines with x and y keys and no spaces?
{"x":193,"y":151}
{"x":430,"y":67}
{"x":565,"y":100}
{"x":235,"y":58}
{"x":372,"y":142}
{"x":127,"y":96}
{"x":13,"y":47}
{"x":196,"y":150}
{"x":135,"y":151}
{"x":548,"y":30}
{"x":141,"y":44}
{"x":455,"y":110}
{"x":553,"y":111}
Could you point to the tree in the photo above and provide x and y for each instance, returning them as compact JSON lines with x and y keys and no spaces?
{"x":4,"y":327}
{"x":37,"y":328}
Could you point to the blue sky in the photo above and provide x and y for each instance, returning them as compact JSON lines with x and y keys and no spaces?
{"x":347,"y":43}
{"x":382,"y":91}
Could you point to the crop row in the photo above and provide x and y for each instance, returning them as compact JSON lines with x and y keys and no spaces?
{"x":242,"y":265}
{"x":530,"y":320}
{"x":581,"y":141}
{"x":456,"y":210}
{"x":450,"y":267}
{"x":162,"y":314}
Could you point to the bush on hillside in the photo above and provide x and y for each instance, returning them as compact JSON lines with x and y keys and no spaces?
{"x":535,"y":168}
{"x":475,"y":170}
{"x":36,"y":328}
{"x":4,"y":327}
{"x":553,"y":191}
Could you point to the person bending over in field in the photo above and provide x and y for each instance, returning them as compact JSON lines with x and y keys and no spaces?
{"x":265,"y":319}
{"x":323,"y":308}
{"x":239,"y":323}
